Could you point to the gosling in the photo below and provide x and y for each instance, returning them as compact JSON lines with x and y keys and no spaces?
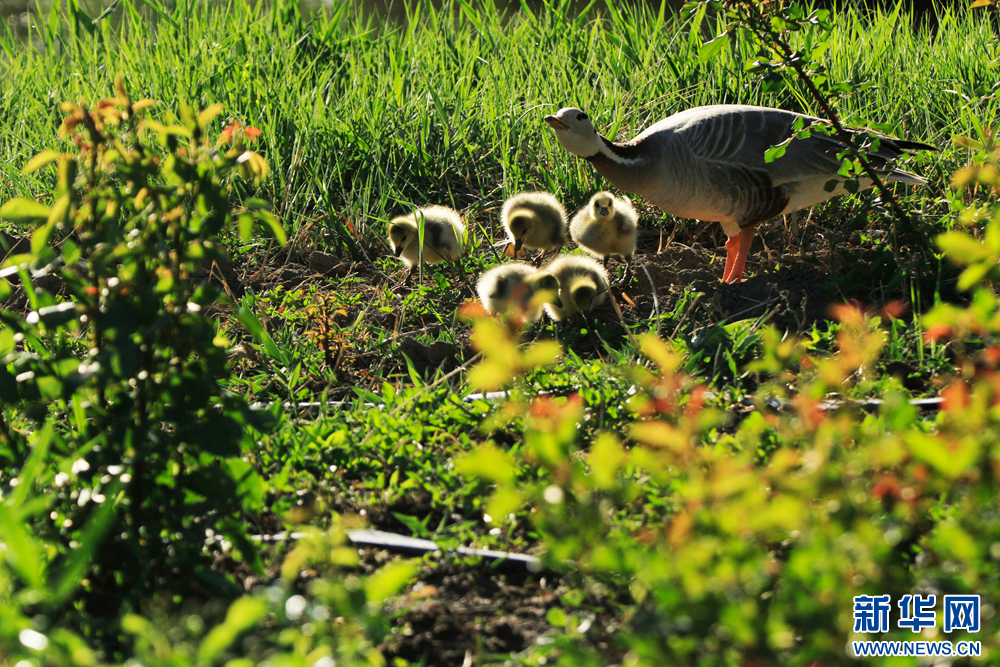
{"x":517,"y":289}
{"x":535,"y":220}
{"x":607,"y":226}
{"x":583,"y":284}
{"x":444,"y":236}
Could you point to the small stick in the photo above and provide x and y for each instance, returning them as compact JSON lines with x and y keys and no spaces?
{"x":656,"y":299}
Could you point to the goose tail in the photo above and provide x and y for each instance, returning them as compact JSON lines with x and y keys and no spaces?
{"x":913,"y":146}
{"x":900,"y":176}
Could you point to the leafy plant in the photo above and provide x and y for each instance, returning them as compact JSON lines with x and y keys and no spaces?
{"x":115,"y":419}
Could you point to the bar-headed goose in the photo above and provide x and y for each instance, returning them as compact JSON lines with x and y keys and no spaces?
{"x":444,"y":235}
{"x":606,"y":226}
{"x":583,"y":284}
{"x":517,"y":289}
{"x":535,"y":220}
{"x":708,"y":163}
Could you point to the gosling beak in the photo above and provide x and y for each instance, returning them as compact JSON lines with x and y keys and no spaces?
{"x":603,"y":210}
{"x":517,"y":245}
{"x":557,"y":302}
{"x":556,"y":124}
{"x":398,"y":251}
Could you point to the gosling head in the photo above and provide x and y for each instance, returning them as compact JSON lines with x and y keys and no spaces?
{"x":401,"y":234}
{"x":519,"y":225}
{"x":547,"y":286}
{"x":584,"y":294}
{"x":575,"y":132}
{"x":602,"y":205}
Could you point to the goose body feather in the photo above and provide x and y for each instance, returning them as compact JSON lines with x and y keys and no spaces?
{"x":606,"y":226}
{"x":444,"y":235}
{"x":512,"y":289}
{"x":535,"y":220}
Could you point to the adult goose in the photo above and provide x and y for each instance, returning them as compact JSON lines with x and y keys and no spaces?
{"x":708,"y":163}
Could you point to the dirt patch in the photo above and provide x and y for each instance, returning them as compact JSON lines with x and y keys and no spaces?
{"x":457,"y":610}
{"x":794,"y":281}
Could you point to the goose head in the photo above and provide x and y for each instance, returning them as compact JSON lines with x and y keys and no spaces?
{"x":575,"y":132}
{"x":602,"y":205}
{"x":401,"y":235}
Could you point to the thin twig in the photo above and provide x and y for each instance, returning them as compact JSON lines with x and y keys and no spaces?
{"x":656,"y":299}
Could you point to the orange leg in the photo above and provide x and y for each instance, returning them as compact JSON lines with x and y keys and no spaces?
{"x":735,"y":263}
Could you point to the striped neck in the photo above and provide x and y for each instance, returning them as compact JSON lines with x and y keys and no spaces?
{"x":625,"y":156}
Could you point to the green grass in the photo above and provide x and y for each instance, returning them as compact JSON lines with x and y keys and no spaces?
{"x":363,"y":118}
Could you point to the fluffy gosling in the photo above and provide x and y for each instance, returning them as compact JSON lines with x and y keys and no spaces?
{"x":607,"y":226}
{"x":444,"y":235}
{"x":583,"y":284}
{"x":535,"y":220}
{"x":515,"y":289}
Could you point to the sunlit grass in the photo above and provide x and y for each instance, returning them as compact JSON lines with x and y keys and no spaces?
{"x":363,"y":117}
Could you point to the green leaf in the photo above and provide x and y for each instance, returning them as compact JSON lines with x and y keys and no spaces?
{"x":542,"y":353}
{"x":952,"y":458}
{"x":40,"y":239}
{"x":606,"y":457}
{"x":39,"y":161}
{"x":775,"y":152}
{"x":255,"y":329}
{"x":59,"y":209}
{"x":26,"y":211}
{"x":273,"y":225}
{"x":504,"y":502}
{"x":962,"y":248}
{"x":490,"y":374}
{"x":712,"y":47}
{"x":22,"y":552}
{"x":416,"y":526}
{"x":388,"y":581}
{"x":488,"y":462}
{"x":245,"y":223}
{"x":974,"y":275}
{"x":209,"y":114}
{"x":242,"y":615}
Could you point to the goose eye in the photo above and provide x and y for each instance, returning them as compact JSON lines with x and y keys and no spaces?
{"x":582,"y":116}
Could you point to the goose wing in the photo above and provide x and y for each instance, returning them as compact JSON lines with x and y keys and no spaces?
{"x":734,"y":139}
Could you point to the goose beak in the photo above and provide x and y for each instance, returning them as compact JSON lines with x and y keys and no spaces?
{"x":603,"y":210}
{"x":517,"y":245}
{"x":398,"y":251}
{"x":557,"y":302}
{"x":556,"y":124}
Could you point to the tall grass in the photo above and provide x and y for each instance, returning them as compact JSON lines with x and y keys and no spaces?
{"x":362,"y":116}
